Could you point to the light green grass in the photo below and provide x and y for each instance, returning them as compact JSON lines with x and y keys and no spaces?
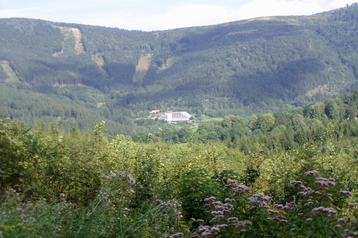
{"x":8,"y":70}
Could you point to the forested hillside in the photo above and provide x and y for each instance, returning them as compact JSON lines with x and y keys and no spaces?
{"x":84,"y":74}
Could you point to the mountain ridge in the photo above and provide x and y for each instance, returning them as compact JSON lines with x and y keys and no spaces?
{"x":242,"y":67}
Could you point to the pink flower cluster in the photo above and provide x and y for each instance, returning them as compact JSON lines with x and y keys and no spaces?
{"x":176,"y":235}
{"x":128,"y":176}
{"x":239,"y":188}
{"x":281,"y":219}
{"x":285,"y":207}
{"x":260,"y":200}
{"x":321,"y":209}
{"x":346,"y":193}
{"x":311,"y":173}
{"x":207,"y":231}
{"x":325,"y":182}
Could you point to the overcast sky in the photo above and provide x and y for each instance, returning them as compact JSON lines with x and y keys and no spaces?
{"x":160,"y":14}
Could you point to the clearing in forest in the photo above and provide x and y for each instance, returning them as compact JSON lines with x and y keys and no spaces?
{"x":141,"y":68}
{"x":8,"y":70}
{"x":71,"y":33}
{"x":316,"y":90}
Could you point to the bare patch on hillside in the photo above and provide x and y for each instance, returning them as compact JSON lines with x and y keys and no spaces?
{"x":168,"y":62}
{"x":291,"y":21}
{"x":241,"y":32}
{"x":78,"y":43}
{"x":316,"y":90}
{"x":63,"y":85}
{"x":11,"y":75}
{"x":57,"y":53}
{"x":98,"y":59}
{"x":71,"y":32}
{"x":141,"y":68}
{"x":100,"y":104}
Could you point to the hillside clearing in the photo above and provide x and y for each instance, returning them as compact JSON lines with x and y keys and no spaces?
{"x":8,"y":70}
{"x":141,"y":68}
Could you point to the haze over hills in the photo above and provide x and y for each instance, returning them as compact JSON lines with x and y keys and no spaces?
{"x":85,"y":74}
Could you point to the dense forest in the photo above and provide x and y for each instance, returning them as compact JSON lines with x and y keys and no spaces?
{"x":289,"y":174}
{"x":262,"y":65}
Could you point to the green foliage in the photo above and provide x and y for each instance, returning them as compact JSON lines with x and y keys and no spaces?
{"x":87,"y":184}
{"x":195,"y":186}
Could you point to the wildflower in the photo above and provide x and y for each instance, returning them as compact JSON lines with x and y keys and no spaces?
{"x":280,"y":206}
{"x":288,"y":205}
{"x":213,"y":220}
{"x":309,"y":219}
{"x":264,"y":205}
{"x":325,"y":182}
{"x":199,"y":220}
{"x":239,"y":224}
{"x":130,"y":179}
{"x":296,"y":183}
{"x":229,"y":200}
{"x":194,"y":235}
{"x":243,"y":188}
{"x":343,"y":220}
{"x":62,"y":197}
{"x":324,"y":210}
{"x":203,"y":228}
{"x":226,"y":211}
{"x":232,"y":219}
{"x":266,"y":198}
{"x":309,"y":202}
{"x":247,"y":223}
{"x":311,"y":173}
{"x":58,"y":228}
{"x":337,"y":226}
{"x":218,"y":203}
{"x":230,"y":183}
{"x":210,"y":199}
{"x":177,"y":235}
{"x":206,"y":234}
{"x":273,"y":211}
{"x":222,"y":225}
{"x":215,"y":229}
{"x":352,"y":204}
{"x":346,"y":193}
{"x":302,"y":194}
{"x":317,"y":209}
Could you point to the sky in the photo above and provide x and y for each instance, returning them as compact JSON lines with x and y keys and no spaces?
{"x":151,"y":15}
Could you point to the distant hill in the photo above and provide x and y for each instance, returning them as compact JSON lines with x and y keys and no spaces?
{"x":244,"y":67}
